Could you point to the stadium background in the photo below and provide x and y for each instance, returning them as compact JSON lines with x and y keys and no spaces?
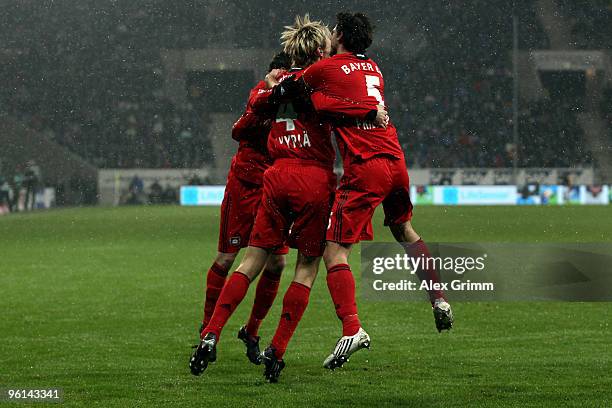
{"x":90,"y":86}
{"x":112,"y":103}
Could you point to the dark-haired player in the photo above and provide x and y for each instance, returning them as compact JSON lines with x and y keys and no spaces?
{"x":298,"y":192}
{"x":374,"y":173}
{"x":242,"y":197}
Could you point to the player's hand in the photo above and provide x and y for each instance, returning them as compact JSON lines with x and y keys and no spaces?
{"x":290,"y":86}
{"x":382,"y":116}
{"x":272,"y":77}
{"x":287,"y":90}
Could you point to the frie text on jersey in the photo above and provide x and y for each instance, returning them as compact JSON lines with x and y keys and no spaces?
{"x":364,"y":125}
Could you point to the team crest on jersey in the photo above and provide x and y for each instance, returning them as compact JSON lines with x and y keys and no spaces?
{"x":235,"y":240}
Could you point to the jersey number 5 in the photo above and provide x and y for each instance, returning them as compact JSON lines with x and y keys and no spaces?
{"x":373,"y":87}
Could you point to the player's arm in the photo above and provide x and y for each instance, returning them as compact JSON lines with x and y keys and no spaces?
{"x":314,"y":78}
{"x":260,"y":103}
{"x":288,"y":90}
{"x":313,"y":81}
{"x":249,"y":125}
{"x":256,"y":120}
{"x":260,"y":113}
{"x":267,"y":99}
{"x":343,"y":107}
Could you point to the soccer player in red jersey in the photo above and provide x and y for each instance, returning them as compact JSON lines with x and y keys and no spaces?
{"x":297,"y":198}
{"x":243,"y":193}
{"x":374,"y":173}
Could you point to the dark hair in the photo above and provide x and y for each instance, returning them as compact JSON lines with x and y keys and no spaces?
{"x":280,"y":60}
{"x":356,"y":31}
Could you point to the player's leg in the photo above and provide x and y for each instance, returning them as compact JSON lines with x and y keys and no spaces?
{"x":398,"y":213}
{"x":265,"y":294}
{"x":341,"y":285}
{"x":414,"y":246}
{"x":355,"y":201}
{"x":363,"y":188}
{"x":269,"y":232}
{"x":267,"y":288}
{"x":236,"y":287}
{"x":215,"y":280}
{"x":232,"y":294}
{"x":237,"y":214}
{"x":295,"y":302}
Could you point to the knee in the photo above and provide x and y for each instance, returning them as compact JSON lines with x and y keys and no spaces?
{"x":329,"y":261}
{"x":332,"y":258}
{"x":275,"y":265}
{"x":404,"y":232}
{"x":330,"y":254}
{"x":226,"y":260}
{"x":306,"y":280}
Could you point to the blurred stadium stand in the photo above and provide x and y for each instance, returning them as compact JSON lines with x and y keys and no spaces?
{"x":158,"y":84}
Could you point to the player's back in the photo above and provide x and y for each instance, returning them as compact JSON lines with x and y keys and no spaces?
{"x":299,"y":133}
{"x":357,"y":78}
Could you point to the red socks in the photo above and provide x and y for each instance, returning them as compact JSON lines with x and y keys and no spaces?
{"x":419,"y":249}
{"x":267,"y":288}
{"x":215,"y":279}
{"x":232,"y":294}
{"x":341,"y":285}
{"x":294,"y":304}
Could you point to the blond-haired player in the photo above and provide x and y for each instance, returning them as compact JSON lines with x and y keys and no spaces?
{"x":297,"y":197}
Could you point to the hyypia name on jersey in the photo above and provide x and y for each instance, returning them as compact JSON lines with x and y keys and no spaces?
{"x":295,"y":141}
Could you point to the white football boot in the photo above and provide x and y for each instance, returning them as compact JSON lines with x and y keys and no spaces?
{"x":346,"y":346}
{"x":443,"y":314}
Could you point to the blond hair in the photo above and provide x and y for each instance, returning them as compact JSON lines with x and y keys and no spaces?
{"x":304,"y":40}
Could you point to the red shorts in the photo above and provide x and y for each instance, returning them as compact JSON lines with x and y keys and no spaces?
{"x":238,"y":210}
{"x":295,"y":206}
{"x":363,"y":187}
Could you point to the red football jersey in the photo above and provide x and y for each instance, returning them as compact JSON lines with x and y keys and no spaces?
{"x":354,"y":77}
{"x":251,"y":131}
{"x":298,"y":132}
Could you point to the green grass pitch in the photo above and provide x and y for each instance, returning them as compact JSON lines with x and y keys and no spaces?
{"x":105,"y":302}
